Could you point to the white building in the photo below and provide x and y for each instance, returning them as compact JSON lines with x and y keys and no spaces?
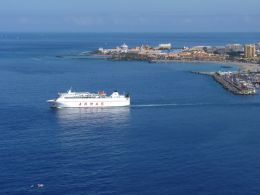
{"x":235,"y":47}
{"x":124,"y":48}
{"x":165,"y":46}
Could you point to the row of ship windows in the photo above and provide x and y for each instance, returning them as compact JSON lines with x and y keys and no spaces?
{"x":79,"y":97}
{"x":91,"y":104}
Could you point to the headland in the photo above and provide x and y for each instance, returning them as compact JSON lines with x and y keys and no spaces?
{"x":247,"y":57}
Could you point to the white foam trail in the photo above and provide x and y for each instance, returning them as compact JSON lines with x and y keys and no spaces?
{"x":168,"y":105}
{"x":153,"y":105}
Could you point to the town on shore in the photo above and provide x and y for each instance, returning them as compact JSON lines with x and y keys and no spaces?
{"x":236,"y":53}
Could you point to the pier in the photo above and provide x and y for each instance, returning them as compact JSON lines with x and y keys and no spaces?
{"x":237,"y":83}
{"x":203,"y":73}
{"x":234,"y":87}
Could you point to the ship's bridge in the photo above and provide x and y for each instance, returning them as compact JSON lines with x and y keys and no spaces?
{"x":115,"y":94}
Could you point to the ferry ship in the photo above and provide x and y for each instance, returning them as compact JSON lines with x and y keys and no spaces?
{"x":86,"y":99}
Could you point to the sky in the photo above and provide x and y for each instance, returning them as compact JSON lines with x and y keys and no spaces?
{"x":129,"y":15}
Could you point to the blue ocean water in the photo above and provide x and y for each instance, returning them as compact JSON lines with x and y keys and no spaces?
{"x":183,"y":134}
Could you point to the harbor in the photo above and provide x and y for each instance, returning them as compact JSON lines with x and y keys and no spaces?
{"x":245,"y":81}
{"x":239,"y":83}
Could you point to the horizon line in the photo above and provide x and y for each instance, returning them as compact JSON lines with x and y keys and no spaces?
{"x":123,"y":32}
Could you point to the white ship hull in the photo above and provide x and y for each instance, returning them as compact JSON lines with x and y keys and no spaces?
{"x":90,"y":103}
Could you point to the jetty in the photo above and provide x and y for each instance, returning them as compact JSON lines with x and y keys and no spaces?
{"x":203,"y":73}
{"x":237,"y":83}
{"x":237,"y":87}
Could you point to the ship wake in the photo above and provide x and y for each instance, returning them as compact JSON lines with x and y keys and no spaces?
{"x":169,"y":105}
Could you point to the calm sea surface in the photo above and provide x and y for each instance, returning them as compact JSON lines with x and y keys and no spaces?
{"x":183,"y":134}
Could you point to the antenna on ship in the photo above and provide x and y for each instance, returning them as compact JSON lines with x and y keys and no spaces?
{"x":70,"y":90}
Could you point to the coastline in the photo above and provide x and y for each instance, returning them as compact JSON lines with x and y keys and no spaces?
{"x":241,"y":65}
